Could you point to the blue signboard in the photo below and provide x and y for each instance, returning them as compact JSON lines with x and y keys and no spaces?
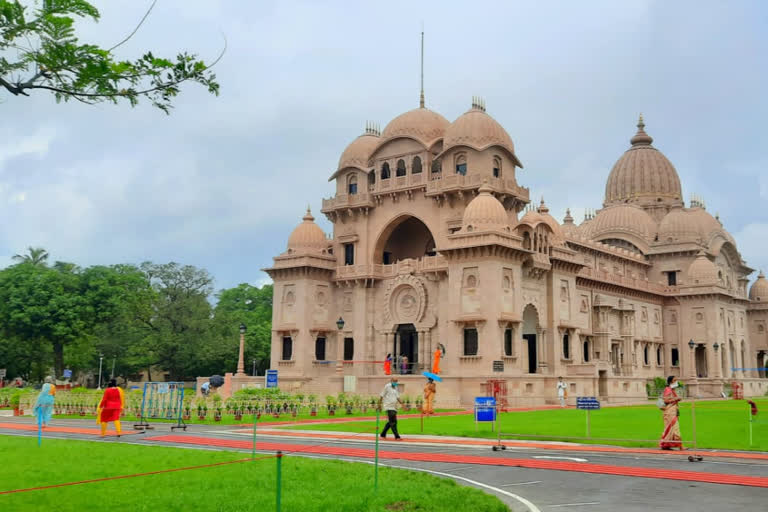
{"x":589,"y":403}
{"x":485,"y":408}
{"x":271,"y":377}
{"x":67,"y":374}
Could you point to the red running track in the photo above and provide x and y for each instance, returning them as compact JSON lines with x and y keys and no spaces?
{"x":66,"y":430}
{"x":579,"y":467}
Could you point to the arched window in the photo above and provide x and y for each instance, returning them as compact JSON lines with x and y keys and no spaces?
{"x":658,"y":356}
{"x":461,"y":164}
{"x":566,"y":346}
{"x":470,"y":342}
{"x":508,"y":342}
{"x":586,"y":350}
{"x":352,"y":185}
{"x":320,"y":349}
{"x":416,"y":165}
{"x":372,"y":177}
{"x":527,"y":240}
{"x":496,"y":167}
{"x":646,"y":360}
{"x":385,"y":171}
{"x":437,"y":167}
{"x":400,"y":168}
{"x":287,"y":351}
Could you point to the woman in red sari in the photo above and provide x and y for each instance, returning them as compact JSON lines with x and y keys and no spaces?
{"x":388,"y":365}
{"x":670,"y":438}
{"x":110,"y":407}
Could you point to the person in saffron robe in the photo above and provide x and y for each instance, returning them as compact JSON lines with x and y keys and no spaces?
{"x":110,"y":407}
{"x":670,"y":438}
{"x":429,"y":395}
{"x":388,"y":365}
{"x":436,"y":361}
{"x":43,"y":409}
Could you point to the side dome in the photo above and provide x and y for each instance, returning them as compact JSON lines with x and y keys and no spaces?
{"x":643,"y":175}
{"x":477,"y":130}
{"x":694,"y":225}
{"x":549,"y":220}
{"x":485,"y":212}
{"x":569,"y":228}
{"x":702,"y":271}
{"x":759,"y":290}
{"x":307,"y":237}
{"x":622,"y":221}
{"x":358,"y":152}
{"x":422,"y":124}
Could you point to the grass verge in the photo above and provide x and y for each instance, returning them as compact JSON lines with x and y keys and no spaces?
{"x":719,"y":425}
{"x":307,"y":485}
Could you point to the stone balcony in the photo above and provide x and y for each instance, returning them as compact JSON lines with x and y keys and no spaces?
{"x":343,"y":201}
{"x":454,"y":183}
{"x":423,"y":265}
{"x":627,"y":282}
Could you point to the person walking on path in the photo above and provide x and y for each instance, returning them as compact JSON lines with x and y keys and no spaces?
{"x":429,"y":395}
{"x":388,"y":401}
{"x":670,"y":438}
{"x":561,"y":390}
{"x":43,"y":409}
{"x":110,"y":407}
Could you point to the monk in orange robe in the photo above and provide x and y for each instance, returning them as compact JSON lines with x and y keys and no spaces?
{"x":436,"y":362}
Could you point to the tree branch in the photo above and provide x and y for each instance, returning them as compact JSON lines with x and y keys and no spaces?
{"x":146,"y":14}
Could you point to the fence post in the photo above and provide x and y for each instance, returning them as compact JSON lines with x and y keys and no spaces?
{"x":588,"y":430}
{"x":376,"y":457}
{"x":749,"y":418}
{"x":253,"y":451}
{"x":693,"y":420}
{"x":279,"y":478}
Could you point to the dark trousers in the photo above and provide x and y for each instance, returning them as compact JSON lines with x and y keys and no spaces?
{"x":391,"y":423}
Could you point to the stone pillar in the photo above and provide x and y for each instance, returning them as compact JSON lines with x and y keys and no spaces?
{"x":240,"y":359}
{"x":541,"y":349}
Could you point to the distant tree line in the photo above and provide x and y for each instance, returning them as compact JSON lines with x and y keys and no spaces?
{"x":141,"y":317}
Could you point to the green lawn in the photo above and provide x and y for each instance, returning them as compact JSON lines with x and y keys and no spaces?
{"x":308,"y":485}
{"x":719,"y":424}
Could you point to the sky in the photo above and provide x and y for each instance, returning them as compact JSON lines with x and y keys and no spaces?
{"x":222,"y":181}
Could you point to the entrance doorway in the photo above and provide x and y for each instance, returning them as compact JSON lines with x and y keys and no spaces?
{"x":602,"y":383}
{"x":701,"y":361}
{"x":532,"y":363}
{"x":530,"y":330}
{"x":406,"y":348}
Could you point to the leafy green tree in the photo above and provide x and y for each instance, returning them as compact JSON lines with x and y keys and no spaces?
{"x":40,"y":51}
{"x":35,"y":255}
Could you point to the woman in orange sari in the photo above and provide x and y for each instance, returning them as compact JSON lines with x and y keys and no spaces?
{"x":110,"y":407}
{"x":670,"y":438}
{"x":388,"y":365}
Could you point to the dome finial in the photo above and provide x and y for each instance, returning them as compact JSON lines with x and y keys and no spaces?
{"x":421,"y":98}
{"x":543,"y":207}
{"x":641,"y":138}
{"x":568,"y":219}
{"x":485,"y":188}
{"x":308,"y":216}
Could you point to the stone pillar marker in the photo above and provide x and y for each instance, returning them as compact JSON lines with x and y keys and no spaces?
{"x":241,"y":359}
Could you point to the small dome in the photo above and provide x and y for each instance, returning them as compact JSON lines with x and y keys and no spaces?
{"x":619,"y":219}
{"x":759,"y":290}
{"x":307,"y":236}
{"x":485,"y":212}
{"x":477,"y":130}
{"x":702,"y":271}
{"x":643,"y":175}
{"x":421,"y":124}
{"x":569,"y":228}
{"x":550,"y":221}
{"x":359,"y":151}
{"x":693,"y":225}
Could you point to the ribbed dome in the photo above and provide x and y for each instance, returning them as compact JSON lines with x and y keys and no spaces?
{"x":702,"y":271}
{"x":622,"y":218}
{"x":307,"y":236}
{"x":358,"y":152}
{"x":694,"y":225}
{"x":421,"y":124}
{"x":476,"y":129}
{"x":643,"y":175}
{"x":759,"y":290}
{"x":484,"y":212}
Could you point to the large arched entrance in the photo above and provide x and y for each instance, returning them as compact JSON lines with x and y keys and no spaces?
{"x":530,"y":332}
{"x":405,"y":237}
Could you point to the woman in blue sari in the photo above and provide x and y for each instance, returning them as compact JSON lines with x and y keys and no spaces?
{"x":44,"y":405}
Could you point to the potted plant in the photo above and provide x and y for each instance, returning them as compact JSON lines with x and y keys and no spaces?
{"x":217,"y":414}
{"x":330,"y":402}
{"x":407,"y":403}
{"x":312,"y":405}
{"x":16,"y":404}
{"x":348,"y":407}
{"x":239,"y":413}
{"x":419,"y":403}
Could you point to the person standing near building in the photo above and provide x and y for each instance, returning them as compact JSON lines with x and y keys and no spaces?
{"x":43,"y":409}
{"x":110,"y":407}
{"x":388,"y":401}
{"x":436,"y":361}
{"x":561,"y":387}
{"x":429,"y":395}
{"x":670,"y":438}
{"x":388,"y":365}
{"x":205,"y":388}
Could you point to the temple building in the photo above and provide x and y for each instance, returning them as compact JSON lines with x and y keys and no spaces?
{"x":436,"y":246}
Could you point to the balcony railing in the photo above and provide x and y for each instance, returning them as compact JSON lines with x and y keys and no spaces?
{"x":628,"y":282}
{"x":347,"y":201}
{"x":435,"y":263}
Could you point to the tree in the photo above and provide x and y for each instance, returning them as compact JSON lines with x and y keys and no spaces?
{"x":47,"y":56}
{"x":35,"y":255}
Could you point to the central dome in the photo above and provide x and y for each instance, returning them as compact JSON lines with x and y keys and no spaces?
{"x":421,"y":124}
{"x":643,"y":175}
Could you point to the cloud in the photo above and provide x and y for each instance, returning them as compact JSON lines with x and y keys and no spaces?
{"x":751,"y":240}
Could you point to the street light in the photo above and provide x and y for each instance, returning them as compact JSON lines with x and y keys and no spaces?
{"x":691,"y":344}
{"x":254,"y":367}
{"x":715,"y":346}
{"x":340,"y":323}
{"x":101,"y":358}
{"x":242,"y":328}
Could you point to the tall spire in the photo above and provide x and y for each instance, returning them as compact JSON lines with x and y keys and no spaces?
{"x":421,"y":98}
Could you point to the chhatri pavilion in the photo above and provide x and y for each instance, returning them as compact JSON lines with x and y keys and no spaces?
{"x":436,"y":246}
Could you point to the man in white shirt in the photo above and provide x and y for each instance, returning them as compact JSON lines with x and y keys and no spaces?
{"x":388,"y":401}
{"x":561,"y":387}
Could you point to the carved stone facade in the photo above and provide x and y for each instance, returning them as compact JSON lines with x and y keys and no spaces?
{"x":436,"y":247}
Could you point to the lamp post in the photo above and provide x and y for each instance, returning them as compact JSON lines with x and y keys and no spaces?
{"x":101,"y":358}
{"x":339,"y":353}
{"x":340,"y":323}
{"x":240,"y":360}
{"x":254,"y":367}
{"x":692,"y":345}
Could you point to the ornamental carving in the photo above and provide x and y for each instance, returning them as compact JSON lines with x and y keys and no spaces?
{"x":405,"y":300}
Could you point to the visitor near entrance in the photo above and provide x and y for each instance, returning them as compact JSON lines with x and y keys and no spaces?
{"x":388,"y":401}
{"x":43,"y":409}
{"x":670,"y":438}
{"x":429,"y":395}
{"x":110,"y":407}
{"x":436,"y":362}
{"x":388,"y":365}
{"x":561,"y":391}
